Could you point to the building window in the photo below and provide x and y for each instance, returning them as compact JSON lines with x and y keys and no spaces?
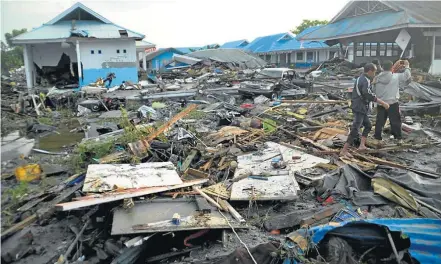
{"x":117,"y":51}
{"x":359,"y":50}
{"x":437,"y":48}
{"x":268,"y":58}
{"x":389,"y":47}
{"x":273,"y":58}
{"x":374,"y":49}
{"x":309,"y":56}
{"x":99,"y":51}
{"x":124,"y":51}
{"x":299,"y":56}
{"x":92,"y":52}
{"x":367,"y":49}
{"x":396,"y":50}
{"x":382,"y":49}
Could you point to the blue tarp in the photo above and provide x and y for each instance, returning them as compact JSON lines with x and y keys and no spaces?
{"x":424,"y":234}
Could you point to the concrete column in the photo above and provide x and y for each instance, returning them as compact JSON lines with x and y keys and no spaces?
{"x":432,"y":68}
{"x":144,"y":61}
{"x":137,"y":60}
{"x":27,"y":55}
{"x":80,"y":74}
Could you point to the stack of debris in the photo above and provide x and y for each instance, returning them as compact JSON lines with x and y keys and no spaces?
{"x":220,"y":178}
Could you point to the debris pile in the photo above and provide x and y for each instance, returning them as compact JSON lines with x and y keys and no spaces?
{"x":200,"y":174}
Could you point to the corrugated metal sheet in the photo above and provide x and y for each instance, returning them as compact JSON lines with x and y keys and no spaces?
{"x":62,"y":30}
{"x":229,"y":55}
{"x":424,"y":234}
{"x":238,"y":44}
{"x":406,"y":12}
{"x":186,"y":50}
{"x":356,"y":25}
{"x":273,"y":43}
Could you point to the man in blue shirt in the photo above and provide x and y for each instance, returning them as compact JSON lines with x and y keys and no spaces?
{"x":362,"y":96}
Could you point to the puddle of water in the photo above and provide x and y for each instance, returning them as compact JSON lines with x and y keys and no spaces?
{"x":56,"y":142}
{"x":64,"y":138}
{"x":15,"y":144}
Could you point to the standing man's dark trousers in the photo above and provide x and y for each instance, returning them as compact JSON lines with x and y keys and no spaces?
{"x":394,"y":117}
{"x":360,"y":119}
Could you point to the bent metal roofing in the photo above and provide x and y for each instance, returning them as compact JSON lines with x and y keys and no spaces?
{"x":283,"y":42}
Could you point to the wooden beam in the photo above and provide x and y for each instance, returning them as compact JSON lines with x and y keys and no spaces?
{"x":213,"y":202}
{"x":120,"y":195}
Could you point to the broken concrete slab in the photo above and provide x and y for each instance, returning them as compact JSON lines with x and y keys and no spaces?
{"x":156,"y":216}
{"x":107,"y":177}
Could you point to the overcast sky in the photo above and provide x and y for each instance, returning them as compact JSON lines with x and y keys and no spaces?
{"x":181,"y":23}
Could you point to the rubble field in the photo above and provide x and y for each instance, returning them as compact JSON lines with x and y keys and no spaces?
{"x":219,"y":162}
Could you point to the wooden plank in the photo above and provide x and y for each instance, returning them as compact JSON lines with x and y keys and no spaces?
{"x":233,"y":211}
{"x":213,"y":202}
{"x":107,"y":177}
{"x":123,"y":194}
{"x":188,"y":160}
{"x":143,"y":144}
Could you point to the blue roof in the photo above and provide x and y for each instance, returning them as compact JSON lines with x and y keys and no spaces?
{"x":60,"y":27}
{"x":307,"y":31}
{"x":186,"y":50}
{"x":353,"y":26}
{"x":424,"y":235}
{"x":282,"y":42}
{"x":237,"y":44}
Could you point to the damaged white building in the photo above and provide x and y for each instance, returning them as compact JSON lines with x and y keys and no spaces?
{"x":77,"y":47}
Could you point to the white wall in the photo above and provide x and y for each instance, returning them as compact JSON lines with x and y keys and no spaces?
{"x":108,"y":54}
{"x":49,"y":54}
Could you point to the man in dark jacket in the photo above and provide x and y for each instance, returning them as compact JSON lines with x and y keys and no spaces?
{"x":361,"y":97}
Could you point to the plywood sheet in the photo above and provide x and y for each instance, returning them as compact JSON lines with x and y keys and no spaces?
{"x":107,"y":177}
{"x":156,"y":215}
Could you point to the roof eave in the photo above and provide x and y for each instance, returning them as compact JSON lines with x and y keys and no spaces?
{"x":358,"y":33}
{"x":37,"y":41}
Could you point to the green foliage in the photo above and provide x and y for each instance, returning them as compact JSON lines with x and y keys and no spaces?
{"x":19,"y":191}
{"x":306,"y":23}
{"x":12,"y":58}
{"x":14,"y":33}
{"x":45,"y":120}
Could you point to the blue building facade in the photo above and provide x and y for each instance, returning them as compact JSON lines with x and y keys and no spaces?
{"x":159,"y":59}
